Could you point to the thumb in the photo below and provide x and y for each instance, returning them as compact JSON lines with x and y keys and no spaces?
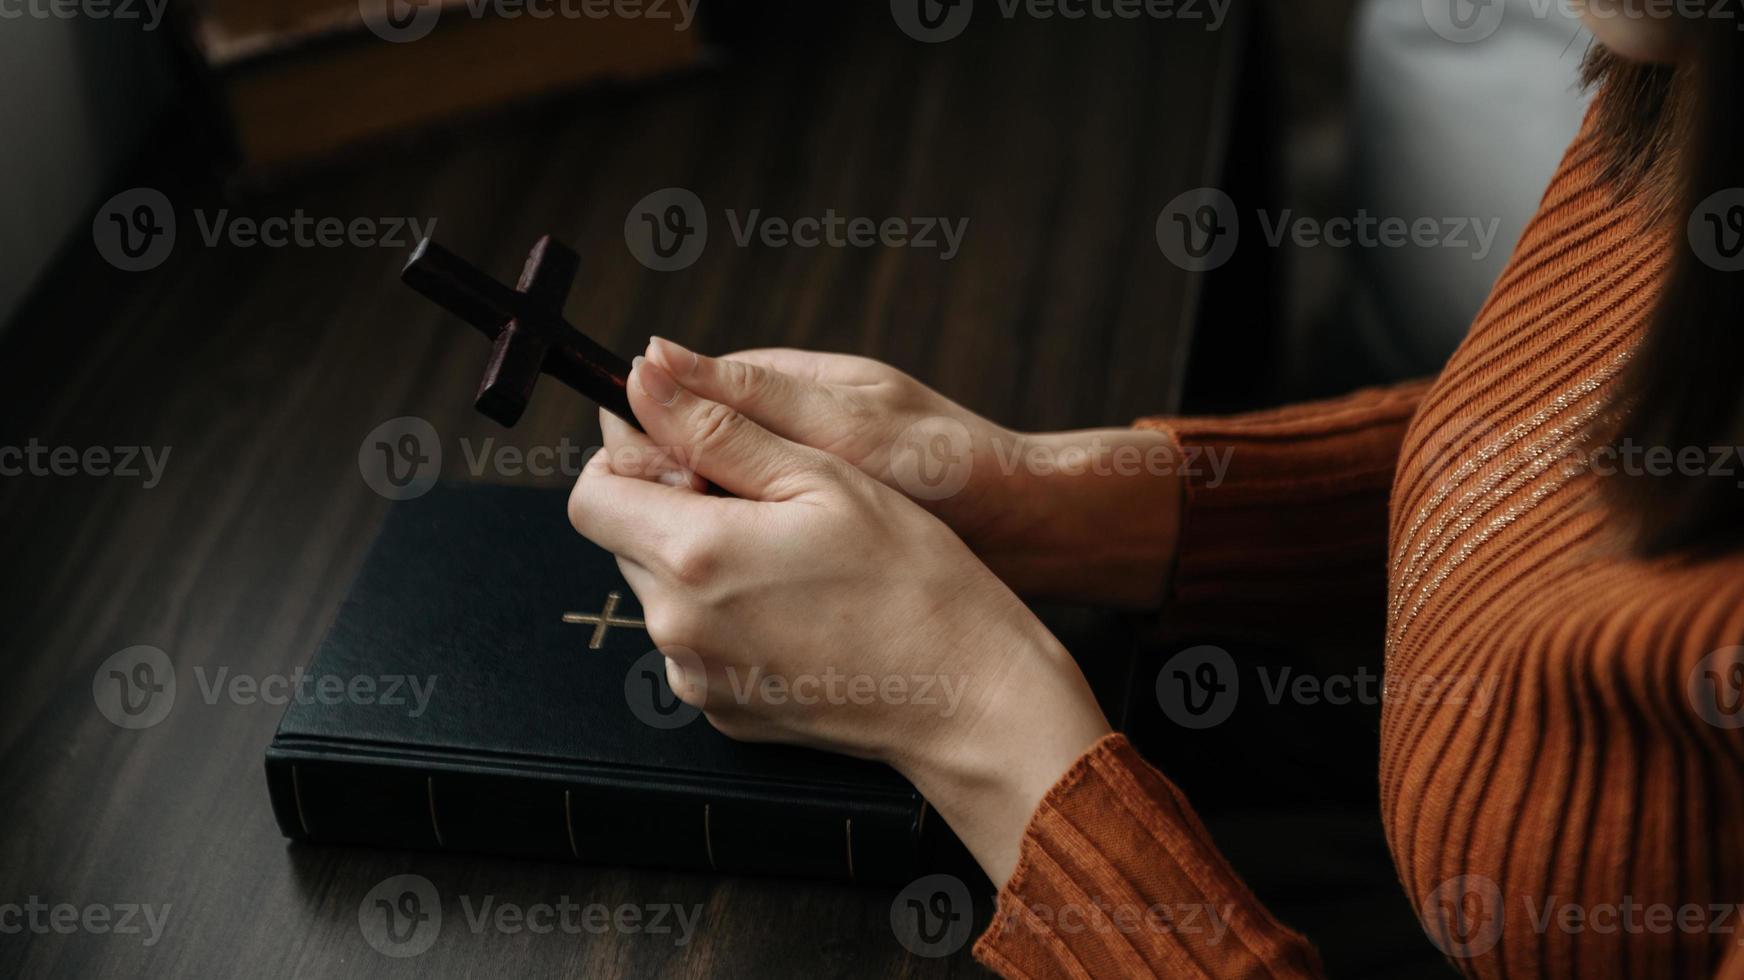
{"x":716,"y":440}
{"x":790,"y":406}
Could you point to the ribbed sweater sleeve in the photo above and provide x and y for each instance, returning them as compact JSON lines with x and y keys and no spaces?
{"x":1116,"y":877}
{"x":1284,"y":520}
{"x":1285,"y":515}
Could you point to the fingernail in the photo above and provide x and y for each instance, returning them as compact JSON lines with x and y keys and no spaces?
{"x":677,"y":356}
{"x":653,"y":380}
{"x":674,"y":478}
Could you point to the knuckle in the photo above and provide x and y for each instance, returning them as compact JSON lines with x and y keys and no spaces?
{"x":577,"y":508}
{"x":819,"y":468}
{"x":717,"y":425}
{"x":634,"y":459}
{"x":694,"y":563}
{"x":826,"y":467}
{"x":860,"y":414}
{"x":737,"y":726}
{"x":686,"y":685}
{"x":666,"y":623}
{"x":742,"y":377}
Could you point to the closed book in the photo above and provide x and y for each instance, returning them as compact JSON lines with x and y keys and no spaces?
{"x":294,"y":82}
{"x":487,"y":686}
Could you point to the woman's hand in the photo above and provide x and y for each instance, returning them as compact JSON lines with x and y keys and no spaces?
{"x":1089,"y":515}
{"x":818,"y":607}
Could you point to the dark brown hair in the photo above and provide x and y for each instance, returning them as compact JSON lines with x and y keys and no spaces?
{"x":1673,"y":136}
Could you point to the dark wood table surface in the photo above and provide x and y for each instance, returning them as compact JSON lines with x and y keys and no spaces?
{"x":262,"y":369}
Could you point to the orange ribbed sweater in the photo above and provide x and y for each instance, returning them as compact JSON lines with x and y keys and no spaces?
{"x":1556,"y":832}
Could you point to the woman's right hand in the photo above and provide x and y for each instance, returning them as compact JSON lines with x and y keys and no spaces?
{"x":1089,"y":515}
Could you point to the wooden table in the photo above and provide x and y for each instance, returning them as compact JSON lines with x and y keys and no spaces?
{"x":262,"y":369}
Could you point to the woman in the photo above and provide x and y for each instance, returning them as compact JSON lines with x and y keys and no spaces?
{"x":1585,"y":823}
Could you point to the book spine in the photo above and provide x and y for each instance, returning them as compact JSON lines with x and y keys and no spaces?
{"x":397,"y":804}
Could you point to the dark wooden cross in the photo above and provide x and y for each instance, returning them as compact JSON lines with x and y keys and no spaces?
{"x":525,"y":324}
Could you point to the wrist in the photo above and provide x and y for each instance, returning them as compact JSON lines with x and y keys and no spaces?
{"x":986,"y":775}
{"x":1090,"y":515}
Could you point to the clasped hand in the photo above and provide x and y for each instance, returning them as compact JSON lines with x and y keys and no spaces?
{"x":818,"y":575}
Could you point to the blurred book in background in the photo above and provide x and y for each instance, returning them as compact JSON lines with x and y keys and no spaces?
{"x":295,"y":81}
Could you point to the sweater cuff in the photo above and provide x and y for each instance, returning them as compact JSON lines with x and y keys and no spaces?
{"x":1284,"y":512}
{"x":1117,"y":877}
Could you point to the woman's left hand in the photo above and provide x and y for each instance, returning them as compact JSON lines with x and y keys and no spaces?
{"x":818,"y":607}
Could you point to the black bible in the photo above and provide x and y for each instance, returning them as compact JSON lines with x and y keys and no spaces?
{"x":487,"y":686}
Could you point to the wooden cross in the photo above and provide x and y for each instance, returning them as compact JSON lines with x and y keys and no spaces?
{"x":525,"y":324}
{"x":604,"y":620}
